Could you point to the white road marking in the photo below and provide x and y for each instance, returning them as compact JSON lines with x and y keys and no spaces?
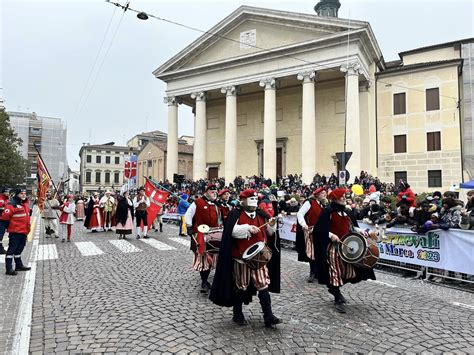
{"x":181,"y":241}
{"x":463,"y":305}
{"x":21,"y":340}
{"x":47,"y":252}
{"x":125,"y":246}
{"x":88,"y":248}
{"x":383,"y":283}
{"x":158,"y":245}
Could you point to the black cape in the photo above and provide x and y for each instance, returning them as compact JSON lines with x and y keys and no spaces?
{"x":122,"y":210}
{"x":89,"y":209}
{"x":321,"y":241}
{"x":223,"y":291}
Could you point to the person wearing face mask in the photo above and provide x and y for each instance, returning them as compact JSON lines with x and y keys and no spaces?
{"x":307,"y":217}
{"x":333,"y":223}
{"x":17,"y":213}
{"x":204,"y":210}
{"x":235,"y":282}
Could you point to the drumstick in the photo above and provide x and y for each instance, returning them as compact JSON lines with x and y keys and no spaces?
{"x":346,"y":245}
{"x":263,"y":225}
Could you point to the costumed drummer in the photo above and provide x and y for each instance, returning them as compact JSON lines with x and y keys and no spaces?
{"x":203,"y":210}
{"x":236,"y":281}
{"x":332,"y":225}
{"x":307,"y":216}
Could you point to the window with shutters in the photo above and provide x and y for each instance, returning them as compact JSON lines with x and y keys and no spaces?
{"x":107,"y":160}
{"x":400,"y":143}
{"x":432,"y":99}
{"x":107,"y":177}
{"x":400,"y":175}
{"x":116,"y":178}
{"x":399,"y":104}
{"x":117,"y":160}
{"x":433,"y":141}
{"x":88,"y":176}
{"x":89,"y":158}
{"x":97,"y":159}
{"x":97,"y":176}
{"x":435,"y":178}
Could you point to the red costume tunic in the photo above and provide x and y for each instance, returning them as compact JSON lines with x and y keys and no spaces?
{"x":340,"y":225}
{"x":311,"y":217}
{"x":206,"y":213}
{"x":240,"y":245}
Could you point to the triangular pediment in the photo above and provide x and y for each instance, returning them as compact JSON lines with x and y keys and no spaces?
{"x":251,"y":30}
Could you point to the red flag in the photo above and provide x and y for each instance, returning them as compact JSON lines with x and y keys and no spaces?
{"x":43,"y":180}
{"x":157,"y":199}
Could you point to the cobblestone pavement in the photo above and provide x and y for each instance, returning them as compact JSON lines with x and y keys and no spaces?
{"x":100,"y":295}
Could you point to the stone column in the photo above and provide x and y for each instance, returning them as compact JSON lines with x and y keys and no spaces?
{"x":172,"y":141}
{"x":353,"y":141}
{"x":230,"y":134}
{"x":308,"y":127}
{"x":269,"y":128}
{"x":199,"y":153}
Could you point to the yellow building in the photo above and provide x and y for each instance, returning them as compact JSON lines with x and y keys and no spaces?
{"x":152,"y":161}
{"x":279,"y":93}
{"x":419,"y":128}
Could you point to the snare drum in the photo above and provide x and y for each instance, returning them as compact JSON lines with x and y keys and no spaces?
{"x":212,"y":238}
{"x":257,"y":255}
{"x":359,"y":250}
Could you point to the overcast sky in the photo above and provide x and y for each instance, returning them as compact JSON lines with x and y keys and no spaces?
{"x":49,"y":48}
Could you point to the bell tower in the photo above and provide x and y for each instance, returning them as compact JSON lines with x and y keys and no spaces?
{"x":327,"y":8}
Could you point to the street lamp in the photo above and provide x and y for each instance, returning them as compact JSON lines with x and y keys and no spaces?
{"x":142,"y":16}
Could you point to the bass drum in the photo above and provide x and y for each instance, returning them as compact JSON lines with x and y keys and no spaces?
{"x":359,"y":250}
{"x":257,"y":255}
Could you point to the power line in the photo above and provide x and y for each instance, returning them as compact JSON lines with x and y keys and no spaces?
{"x":76,"y":112}
{"x":126,"y":7}
{"x":104,"y":57}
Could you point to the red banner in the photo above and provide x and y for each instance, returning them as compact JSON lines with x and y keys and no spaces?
{"x":43,"y":180}
{"x":157,"y":199}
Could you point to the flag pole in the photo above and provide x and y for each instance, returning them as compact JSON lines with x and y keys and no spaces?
{"x":44,"y":164}
{"x":162,"y":187}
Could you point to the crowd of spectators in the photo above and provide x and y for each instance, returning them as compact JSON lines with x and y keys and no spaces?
{"x":380,"y":203}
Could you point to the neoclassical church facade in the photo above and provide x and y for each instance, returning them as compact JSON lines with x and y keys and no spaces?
{"x":278,"y":93}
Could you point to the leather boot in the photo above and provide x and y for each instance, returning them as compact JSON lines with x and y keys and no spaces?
{"x":9,"y":266}
{"x":265,"y":301}
{"x":19,"y":265}
{"x":237,"y":314}
{"x":205,"y":285}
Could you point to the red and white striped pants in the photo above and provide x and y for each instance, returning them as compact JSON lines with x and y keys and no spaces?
{"x":339,"y":270}
{"x":243,"y":274}
{"x":308,"y":240}
{"x":204,"y":262}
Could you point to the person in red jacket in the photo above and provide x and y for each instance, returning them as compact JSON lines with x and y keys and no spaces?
{"x":406,"y":194}
{"x":4,"y":196}
{"x":17,"y":212}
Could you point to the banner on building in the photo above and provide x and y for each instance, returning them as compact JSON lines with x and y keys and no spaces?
{"x":130,"y":171}
{"x":44,"y":182}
